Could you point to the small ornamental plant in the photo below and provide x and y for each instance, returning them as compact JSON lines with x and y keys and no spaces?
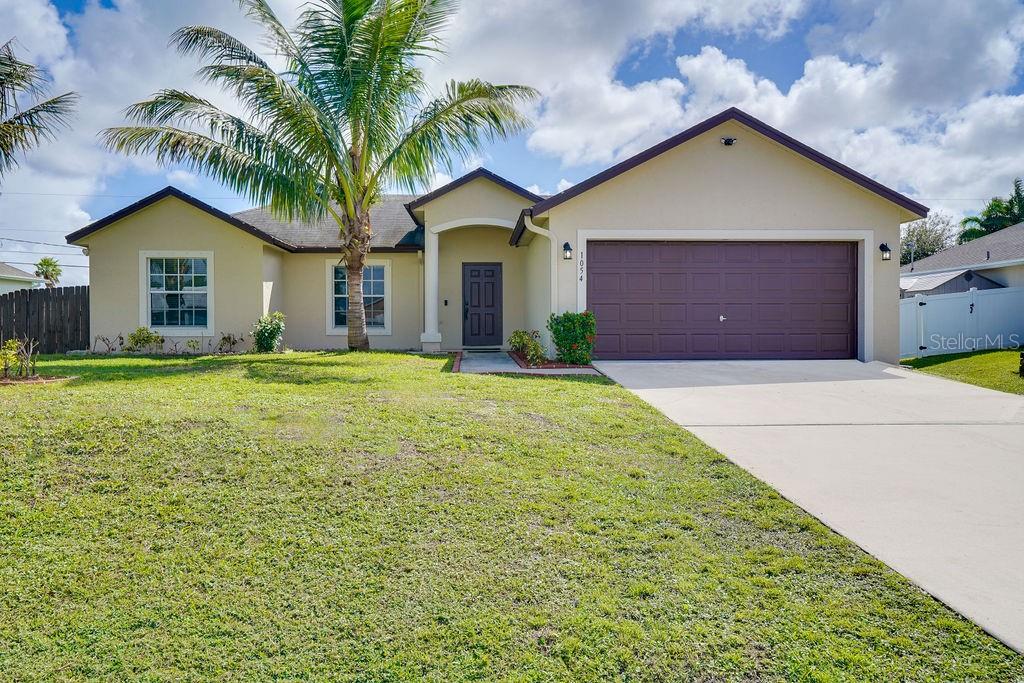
{"x":573,"y":335}
{"x":527,"y":345}
{"x":144,"y":340}
{"x":267,"y":333}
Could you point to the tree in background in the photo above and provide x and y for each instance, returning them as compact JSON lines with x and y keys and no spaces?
{"x":24,"y":127}
{"x":349,"y":116}
{"x":927,"y":236}
{"x":49,"y":269}
{"x":1000,"y":213}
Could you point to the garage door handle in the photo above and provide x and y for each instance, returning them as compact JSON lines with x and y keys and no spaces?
{"x":721,"y":318}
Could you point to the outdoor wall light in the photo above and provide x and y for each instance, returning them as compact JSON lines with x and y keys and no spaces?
{"x":886,"y":251}
{"x":567,"y":251}
{"x":728,"y":142}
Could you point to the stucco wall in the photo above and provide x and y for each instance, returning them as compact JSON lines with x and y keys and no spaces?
{"x":478,"y":245}
{"x":538,"y":287}
{"x":754,"y":185}
{"x":273,"y":280}
{"x":14,"y":285}
{"x":305,"y":302}
{"x":1010,"y":276}
{"x":173,"y":226}
{"x":479,"y":201}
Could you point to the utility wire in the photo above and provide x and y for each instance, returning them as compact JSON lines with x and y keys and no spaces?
{"x":45,"y":244}
{"x":63,"y":265}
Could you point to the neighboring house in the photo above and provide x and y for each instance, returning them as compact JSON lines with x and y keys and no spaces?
{"x":998,"y":257}
{"x":728,"y":240}
{"x":12,"y":279}
{"x":949,"y":282}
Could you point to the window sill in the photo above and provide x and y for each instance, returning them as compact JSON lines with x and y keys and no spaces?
{"x":183,"y":331}
{"x":370,"y":332}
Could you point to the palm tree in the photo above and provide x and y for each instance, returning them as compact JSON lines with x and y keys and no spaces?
{"x":1000,"y":213}
{"x":348,"y":117}
{"x":49,"y":270}
{"x":22,"y":129}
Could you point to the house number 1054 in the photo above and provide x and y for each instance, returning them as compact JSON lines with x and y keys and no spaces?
{"x":582,"y":266}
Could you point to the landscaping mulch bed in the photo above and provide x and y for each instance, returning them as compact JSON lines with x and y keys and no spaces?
{"x":549,"y":365}
{"x":31,"y":380}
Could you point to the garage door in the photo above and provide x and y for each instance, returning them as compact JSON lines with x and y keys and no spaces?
{"x":704,"y":300}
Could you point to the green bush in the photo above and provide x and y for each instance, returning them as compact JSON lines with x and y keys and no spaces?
{"x":8,"y":357}
{"x":145,"y":339}
{"x":267,"y":332}
{"x":528,"y":344}
{"x":573,"y":335}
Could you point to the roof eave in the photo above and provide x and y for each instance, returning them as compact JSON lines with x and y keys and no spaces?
{"x":916,"y":209}
{"x":462,"y":180}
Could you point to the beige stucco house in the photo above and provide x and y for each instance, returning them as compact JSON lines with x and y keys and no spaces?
{"x":728,"y":240}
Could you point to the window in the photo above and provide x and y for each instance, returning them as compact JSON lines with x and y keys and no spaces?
{"x":376,"y":297}
{"x":373,"y":296}
{"x":178,"y":292}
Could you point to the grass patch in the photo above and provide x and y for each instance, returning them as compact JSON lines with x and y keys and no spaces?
{"x":369,"y":517}
{"x":990,"y":369}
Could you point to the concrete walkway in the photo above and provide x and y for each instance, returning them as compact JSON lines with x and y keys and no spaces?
{"x":482,"y":363}
{"x":924,"y":473}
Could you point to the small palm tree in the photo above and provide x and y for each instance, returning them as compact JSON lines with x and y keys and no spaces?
{"x":348,"y":117}
{"x":22,"y":129}
{"x":49,"y":269}
{"x":1000,"y":213}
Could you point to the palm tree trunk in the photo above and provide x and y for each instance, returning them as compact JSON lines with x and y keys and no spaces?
{"x":357,"y":339}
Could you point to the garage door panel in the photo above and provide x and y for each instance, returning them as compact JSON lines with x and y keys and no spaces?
{"x":779,"y":299}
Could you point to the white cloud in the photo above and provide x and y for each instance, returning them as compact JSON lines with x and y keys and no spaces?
{"x":182,"y":177}
{"x":564,"y":185}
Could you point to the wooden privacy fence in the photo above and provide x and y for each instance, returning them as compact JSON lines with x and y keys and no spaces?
{"x":58,"y":318}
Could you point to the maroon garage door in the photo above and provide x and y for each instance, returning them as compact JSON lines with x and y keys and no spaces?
{"x":691,"y":300}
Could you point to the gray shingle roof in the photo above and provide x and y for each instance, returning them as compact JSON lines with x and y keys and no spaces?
{"x":7,"y":270}
{"x":1005,"y":245}
{"x":392,"y":226}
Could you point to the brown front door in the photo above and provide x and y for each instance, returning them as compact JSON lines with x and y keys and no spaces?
{"x":728,"y":300}
{"x":481,"y":304}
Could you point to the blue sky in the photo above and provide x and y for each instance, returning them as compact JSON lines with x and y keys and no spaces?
{"x":932,"y":108}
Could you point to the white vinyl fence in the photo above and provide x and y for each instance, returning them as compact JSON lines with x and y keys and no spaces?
{"x":966,"y":321}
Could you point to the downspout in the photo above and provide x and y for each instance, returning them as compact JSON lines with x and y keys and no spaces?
{"x":546,"y":234}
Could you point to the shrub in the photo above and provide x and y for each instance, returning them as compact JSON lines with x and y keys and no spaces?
{"x":573,"y":335}
{"x":267,"y":332}
{"x":528,"y":344}
{"x":228,"y":342}
{"x":145,"y":339}
{"x":8,"y":357}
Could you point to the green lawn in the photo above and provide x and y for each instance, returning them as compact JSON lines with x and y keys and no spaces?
{"x":370,"y":517}
{"x":992,"y":369}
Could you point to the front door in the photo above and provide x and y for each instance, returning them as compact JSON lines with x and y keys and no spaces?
{"x":481,"y":304}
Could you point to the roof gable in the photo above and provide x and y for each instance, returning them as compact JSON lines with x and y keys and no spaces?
{"x":732,"y":114}
{"x":9,"y":272}
{"x":188,"y":199}
{"x":469,"y":177}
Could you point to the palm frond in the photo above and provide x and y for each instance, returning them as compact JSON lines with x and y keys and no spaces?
{"x":29,"y":128}
{"x":455,"y":124}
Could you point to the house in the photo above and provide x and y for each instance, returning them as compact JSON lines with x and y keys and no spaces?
{"x":728,"y":240}
{"x":998,"y":257}
{"x":12,"y":279}
{"x":947,"y":282}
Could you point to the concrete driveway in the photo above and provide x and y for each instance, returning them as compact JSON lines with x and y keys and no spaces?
{"x":924,"y":473}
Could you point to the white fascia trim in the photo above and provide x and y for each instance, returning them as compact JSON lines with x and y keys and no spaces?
{"x":865,"y":265}
{"x":473,"y":223}
{"x":19,"y":278}
{"x":144,"y":318}
{"x":333,"y":331}
{"x":985,"y":265}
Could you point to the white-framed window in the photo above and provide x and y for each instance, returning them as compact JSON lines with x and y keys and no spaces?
{"x":376,"y":297}
{"x":176,"y":292}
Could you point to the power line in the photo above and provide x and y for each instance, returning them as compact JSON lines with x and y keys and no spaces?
{"x":45,"y":244}
{"x":89,"y":194}
{"x":63,"y":265}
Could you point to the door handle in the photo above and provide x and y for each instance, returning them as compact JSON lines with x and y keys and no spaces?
{"x":465,"y":311}
{"x":721,"y":318}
